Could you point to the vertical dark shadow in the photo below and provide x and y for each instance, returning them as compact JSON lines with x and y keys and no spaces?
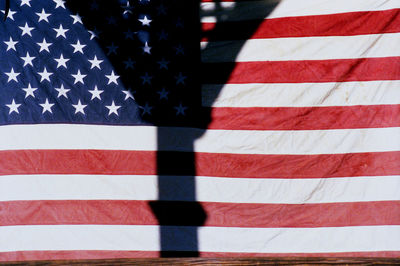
{"x":177,"y":210}
{"x":154,"y":45}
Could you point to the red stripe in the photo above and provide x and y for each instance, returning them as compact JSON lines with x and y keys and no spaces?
{"x":305,"y":118}
{"x":77,"y":162}
{"x":107,"y":254}
{"x":345,"y":24}
{"x":75,"y":255}
{"x":207,"y":164}
{"x":338,"y":70}
{"x":108,"y":212}
{"x":298,"y":166}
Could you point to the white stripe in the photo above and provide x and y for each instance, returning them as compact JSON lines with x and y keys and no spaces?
{"x":79,"y":237}
{"x":298,"y":191}
{"x":210,"y":239}
{"x":208,"y":189}
{"x":299,"y":142}
{"x":301,"y":94}
{"x":73,"y":136}
{"x":338,"y":141}
{"x":292,"y":8}
{"x":234,"y":11}
{"x":302,"y":48}
{"x":300,"y":240}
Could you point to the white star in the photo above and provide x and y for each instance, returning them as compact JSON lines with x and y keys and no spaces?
{"x":78,"y":47}
{"x":94,"y":5}
{"x":46,"y":106}
{"x":111,"y":20}
{"x":128,"y":34}
{"x":127,"y":9}
{"x":145,"y":21}
{"x":147,"y":109}
{"x":45,"y":75}
{"x":79,"y":107}
{"x":146,"y":48}
{"x":77,"y":19}
{"x":161,"y":10}
{"x":43,"y":16}
{"x":113,"y":108}
{"x":179,"y":23}
{"x":78,"y":77}
{"x":44,"y":45}
{"x":112,"y":49}
{"x":163,"y":64}
{"x":13,"y":107}
{"x":62,"y":91}
{"x":12,"y":75}
{"x":25,"y":2}
{"x":163,"y":94}
{"x":146,"y":78}
{"x":27,"y":59}
{"x":29,"y":91}
{"x":11,"y":44}
{"x":128,"y":94}
{"x":95,"y":62}
{"x":96,"y":93}
{"x":163,"y":36}
{"x":26,"y":30}
{"x":59,"y":3}
{"x":93,"y":34}
{"x":61,"y":61}
{"x":129,"y":63}
{"x":61,"y":31}
{"x":180,"y":79}
{"x":112,"y":78}
{"x":10,"y":14}
{"x":179,"y":50}
{"x":180,"y":109}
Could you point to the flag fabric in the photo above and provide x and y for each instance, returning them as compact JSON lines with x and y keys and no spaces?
{"x":295,"y":149}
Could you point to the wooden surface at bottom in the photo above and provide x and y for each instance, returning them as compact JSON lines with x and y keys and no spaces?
{"x":221,"y":261}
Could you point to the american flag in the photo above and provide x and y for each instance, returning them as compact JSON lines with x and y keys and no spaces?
{"x":215,"y":128}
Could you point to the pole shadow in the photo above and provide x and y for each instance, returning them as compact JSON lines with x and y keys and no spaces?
{"x":177,"y":210}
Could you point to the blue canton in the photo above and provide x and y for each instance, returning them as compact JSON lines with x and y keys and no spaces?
{"x":99,"y":62}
